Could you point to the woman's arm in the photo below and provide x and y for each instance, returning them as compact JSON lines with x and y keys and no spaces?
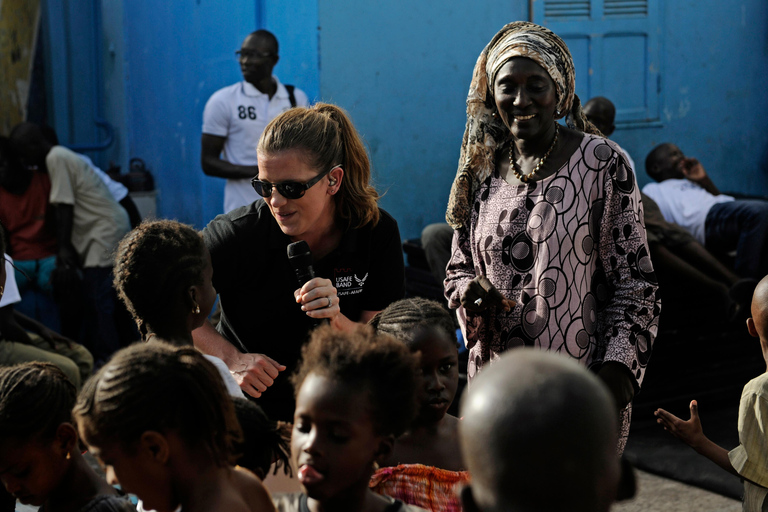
{"x":461,"y":267}
{"x":253,"y":372}
{"x":628,"y":322}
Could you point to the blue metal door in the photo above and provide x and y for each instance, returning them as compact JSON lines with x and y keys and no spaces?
{"x":615,"y":48}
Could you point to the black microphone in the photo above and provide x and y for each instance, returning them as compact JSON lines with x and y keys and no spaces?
{"x":301,"y":261}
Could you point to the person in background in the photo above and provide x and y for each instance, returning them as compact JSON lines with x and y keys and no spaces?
{"x":697,"y":289}
{"x":30,"y":232}
{"x":315,"y":180}
{"x":117,"y":189}
{"x":538,"y":432}
{"x":160,"y":420}
{"x":40,"y":456}
{"x":549,"y":248}
{"x":23,"y":339}
{"x":748,"y":460}
{"x":89,"y":224}
{"x":235,"y":116}
{"x":689,"y":198}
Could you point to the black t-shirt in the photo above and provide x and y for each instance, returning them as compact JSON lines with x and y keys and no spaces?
{"x":255,"y":282}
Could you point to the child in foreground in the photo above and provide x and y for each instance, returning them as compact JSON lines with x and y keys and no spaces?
{"x":749,"y":460}
{"x":355,"y":393}
{"x":163,"y":274}
{"x":161,"y":422}
{"x":426,"y":466}
{"x":538,"y":433}
{"x":40,"y":460}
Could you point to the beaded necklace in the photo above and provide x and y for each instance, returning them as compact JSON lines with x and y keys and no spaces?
{"x":519,"y":173}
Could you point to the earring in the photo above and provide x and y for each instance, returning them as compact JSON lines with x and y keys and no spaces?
{"x":493,"y":114}
{"x":196,"y":310}
{"x":69,"y":456}
{"x":558,"y":112}
{"x":2,"y":289}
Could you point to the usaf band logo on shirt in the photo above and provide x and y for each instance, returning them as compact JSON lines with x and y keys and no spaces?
{"x":347,"y":282}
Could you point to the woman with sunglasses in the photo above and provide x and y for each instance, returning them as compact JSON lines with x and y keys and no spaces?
{"x":314,"y":177}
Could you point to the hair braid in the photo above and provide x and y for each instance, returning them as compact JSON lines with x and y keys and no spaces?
{"x":403,"y":318}
{"x":35,"y":398}
{"x":155,"y":264}
{"x":159,"y":387}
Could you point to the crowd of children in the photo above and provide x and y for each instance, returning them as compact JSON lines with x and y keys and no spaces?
{"x":370,"y":433}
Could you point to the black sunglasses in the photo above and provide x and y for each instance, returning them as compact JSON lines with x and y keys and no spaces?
{"x":287,"y":189}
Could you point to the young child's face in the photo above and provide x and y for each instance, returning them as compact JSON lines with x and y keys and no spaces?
{"x":334,"y":444}
{"x":31,"y":470}
{"x":439,"y":363}
{"x":131,"y":470}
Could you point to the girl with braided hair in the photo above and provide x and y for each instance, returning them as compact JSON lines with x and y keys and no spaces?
{"x":549,"y":247}
{"x":163,"y":275}
{"x":40,"y":459}
{"x":426,"y":466}
{"x":315,"y":180}
{"x":159,"y":419}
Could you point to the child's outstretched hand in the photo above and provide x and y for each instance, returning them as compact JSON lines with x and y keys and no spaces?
{"x":689,"y":432}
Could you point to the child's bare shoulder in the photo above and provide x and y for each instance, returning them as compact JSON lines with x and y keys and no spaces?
{"x":247,"y":494}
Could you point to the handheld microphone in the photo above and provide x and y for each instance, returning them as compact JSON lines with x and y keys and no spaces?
{"x":301,"y":261}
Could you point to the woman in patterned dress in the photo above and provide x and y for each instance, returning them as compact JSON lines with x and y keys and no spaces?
{"x":549,"y":246}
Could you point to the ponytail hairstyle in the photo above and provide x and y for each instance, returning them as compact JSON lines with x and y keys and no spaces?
{"x":328,"y":138}
{"x":35,"y":398}
{"x":405,"y":319}
{"x":155,"y":265}
{"x":162,"y":388}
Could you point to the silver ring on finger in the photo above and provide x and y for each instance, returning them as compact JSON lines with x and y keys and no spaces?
{"x":330,"y":302}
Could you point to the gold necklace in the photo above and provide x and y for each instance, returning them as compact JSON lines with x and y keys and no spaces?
{"x":513,"y":165}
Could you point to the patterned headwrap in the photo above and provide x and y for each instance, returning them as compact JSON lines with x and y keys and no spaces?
{"x":484,"y":132}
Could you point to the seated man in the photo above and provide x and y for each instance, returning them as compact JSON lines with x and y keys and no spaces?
{"x":688,"y":197}
{"x":89,"y":224}
{"x":538,"y":433}
{"x":687,"y":272}
{"x":30,"y":234}
{"x":23,"y":339}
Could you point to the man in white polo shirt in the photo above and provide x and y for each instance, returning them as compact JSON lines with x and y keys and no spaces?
{"x":688,"y":197}
{"x":235,"y":116}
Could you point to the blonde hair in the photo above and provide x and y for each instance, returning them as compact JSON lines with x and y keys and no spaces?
{"x":328,"y":138}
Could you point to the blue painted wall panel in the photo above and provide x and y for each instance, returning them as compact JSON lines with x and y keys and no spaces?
{"x":402,"y":69}
{"x":714,"y":69}
{"x":177,"y":55}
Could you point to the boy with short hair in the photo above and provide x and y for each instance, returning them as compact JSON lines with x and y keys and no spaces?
{"x":749,"y":460}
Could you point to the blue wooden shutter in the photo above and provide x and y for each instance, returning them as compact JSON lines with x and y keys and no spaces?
{"x":615,"y":48}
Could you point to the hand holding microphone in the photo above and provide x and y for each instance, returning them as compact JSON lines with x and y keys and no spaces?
{"x":317,"y":295}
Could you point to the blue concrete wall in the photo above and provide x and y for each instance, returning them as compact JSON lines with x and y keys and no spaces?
{"x":402,"y":70}
{"x":713,"y":101}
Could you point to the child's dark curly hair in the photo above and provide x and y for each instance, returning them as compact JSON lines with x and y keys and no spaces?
{"x":154,"y":265}
{"x":365,"y":360}
{"x":35,"y":398}
{"x":163,"y":388}
{"x":405,"y":318}
{"x":264,"y":442}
